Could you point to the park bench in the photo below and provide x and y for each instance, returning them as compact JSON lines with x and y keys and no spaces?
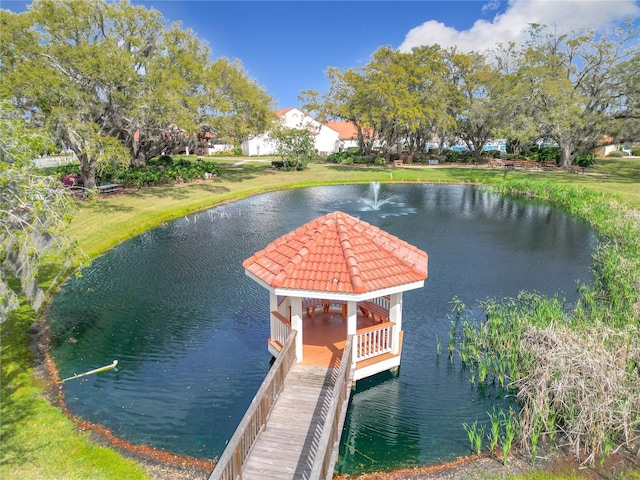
{"x":374,"y":309}
{"x":108,"y":188}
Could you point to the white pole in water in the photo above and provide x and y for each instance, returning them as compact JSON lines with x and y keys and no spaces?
{"x":97,"y":370}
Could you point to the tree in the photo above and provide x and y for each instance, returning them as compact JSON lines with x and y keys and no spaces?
{"x":473,"y":99}
{"x":33,"y":210}
{"x":394,"y":101}
{"x":626,"y":117}
{"x":571,"y":85}
{"x":239,"y":108}
{"x":295,"y":147}
{"x":347,"y":99}
{"x":95,"y":72}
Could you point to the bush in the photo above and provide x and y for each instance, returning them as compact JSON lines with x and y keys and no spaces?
{"x":63,"y":170}
{"x":636,"y":152}
{"x":585,"y":160}
{"x":163,"y":170}
{"x":544,"y":154}
{"x":421,"y":157}
{"x":346,"y":157}
{"x":380,"y":161}
{"x":616,"y":154}
{"x":165,"y":160}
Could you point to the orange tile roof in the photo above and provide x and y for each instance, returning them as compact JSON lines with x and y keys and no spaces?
{"x":282,"y":111}
{"x":346,"y":130}
{"x":338,"y":253}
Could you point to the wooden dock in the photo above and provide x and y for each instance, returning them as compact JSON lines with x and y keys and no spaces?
{"x":287,"y":447}
{"x":293,"y":426}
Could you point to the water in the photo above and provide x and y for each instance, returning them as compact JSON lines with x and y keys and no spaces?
{"x":189,"y":328}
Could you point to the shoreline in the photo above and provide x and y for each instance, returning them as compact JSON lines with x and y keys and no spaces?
{"x":163,"y":465}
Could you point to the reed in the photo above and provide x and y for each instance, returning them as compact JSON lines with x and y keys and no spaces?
{"x":510,"y":432}
{"x":475,"y":433}
{"x":496,"y":424}
{"x":574,"y":370}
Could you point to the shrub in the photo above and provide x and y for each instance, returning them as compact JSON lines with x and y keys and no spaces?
{"x":340,"y":157}
{"x":544,"y":154}
{"x":67,"y":169}
{"x":165,"y":160}
{"x":421,"y":157}
{"x":636,"y":152}
{"x":163,"y":170}
{"x":616,"y":154}
{"x":380,"y":161}
{"x":585,"y":160}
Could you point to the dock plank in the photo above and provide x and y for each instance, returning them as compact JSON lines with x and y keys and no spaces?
{"x":287,"y":447}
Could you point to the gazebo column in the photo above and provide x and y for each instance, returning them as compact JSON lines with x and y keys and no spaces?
{"x":352,"y":321}
{"x":395,"y":315}
{"x":273,"y":307}
{"x":296,"y":324}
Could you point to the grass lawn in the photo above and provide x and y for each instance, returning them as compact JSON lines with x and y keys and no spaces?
{"x":102,"y":224}
{"x":39,"y":441}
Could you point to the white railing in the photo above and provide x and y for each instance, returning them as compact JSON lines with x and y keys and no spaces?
{"x":373,"y":341}
{"x":324,"y":462}
{"x":280,"y":329}
{"x":383,"y":302}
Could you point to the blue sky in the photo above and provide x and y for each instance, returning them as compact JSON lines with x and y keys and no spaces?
{"x":286,"y":46}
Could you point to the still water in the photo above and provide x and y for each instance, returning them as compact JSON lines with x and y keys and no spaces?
{"x":189,"y":329}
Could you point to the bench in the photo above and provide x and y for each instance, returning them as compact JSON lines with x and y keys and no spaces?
{"x":76,"y":191}
{"x":374,"y":309}
{"x":310,"y":305}
{"x":108,"y":188}
{"x":397,"y":163}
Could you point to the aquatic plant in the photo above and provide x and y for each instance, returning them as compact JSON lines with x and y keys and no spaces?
{"x":576,"y":367}
{"x":495,"y":428}
{"x":510,"y":432}
{"x":475,"y":433}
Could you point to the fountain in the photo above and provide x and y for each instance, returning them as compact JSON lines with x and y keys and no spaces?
{"x":377,"y":200}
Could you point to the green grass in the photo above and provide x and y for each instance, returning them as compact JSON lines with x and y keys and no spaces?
{"x":39,"y":441}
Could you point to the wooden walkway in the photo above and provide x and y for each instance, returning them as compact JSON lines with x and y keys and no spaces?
{"x":287,"y":447}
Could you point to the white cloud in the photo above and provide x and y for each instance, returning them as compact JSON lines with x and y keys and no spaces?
{"x":513,"y":23}
{"x":491,"y":5}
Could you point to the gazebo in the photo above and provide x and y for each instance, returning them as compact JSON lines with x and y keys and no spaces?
{"x":334,"y":277}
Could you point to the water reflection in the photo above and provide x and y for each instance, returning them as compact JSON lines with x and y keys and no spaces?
{"x":189,"y":329}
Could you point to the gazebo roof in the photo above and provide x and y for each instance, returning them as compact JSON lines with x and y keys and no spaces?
{"x":337,"y":253}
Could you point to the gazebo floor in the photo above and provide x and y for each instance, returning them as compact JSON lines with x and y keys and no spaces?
{"x":325,"y":335}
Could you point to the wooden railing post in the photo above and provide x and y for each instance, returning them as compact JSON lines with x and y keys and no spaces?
{"x":231,"y":462}
{"x":327,"y":451}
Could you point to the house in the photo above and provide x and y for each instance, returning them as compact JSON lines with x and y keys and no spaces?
{"x":348,"y":135}
{"x":325,"y":138}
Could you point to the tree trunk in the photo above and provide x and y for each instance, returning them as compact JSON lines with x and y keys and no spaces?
{"x":87,"y":171}
{"x":565,"y":156}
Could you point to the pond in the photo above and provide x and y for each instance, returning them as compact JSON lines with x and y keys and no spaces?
{"x":189,"y":328}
